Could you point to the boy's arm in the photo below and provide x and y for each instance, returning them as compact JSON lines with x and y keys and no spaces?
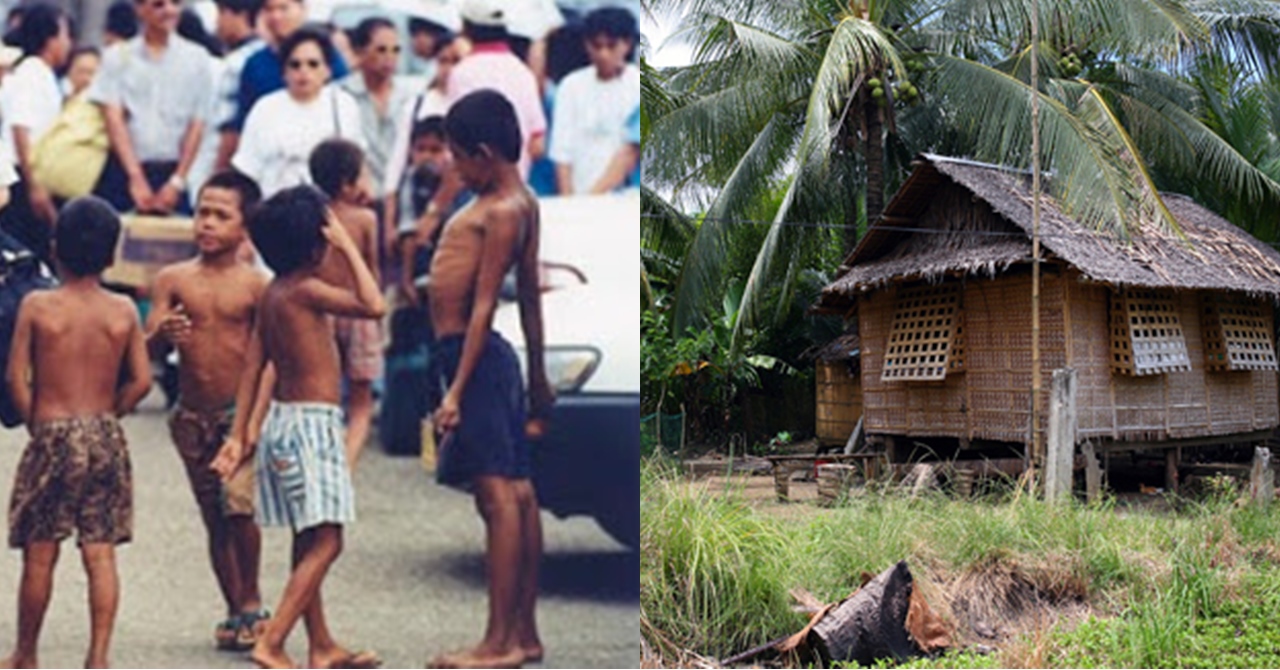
{"x":370,"y":251}
{"x":500,"y":235}
{"x":139,"y":366}
{"x":20,"y":354}
{"x":529,"y":295}
{"x":258,"y":413}
{"x":238,"y":447}
{"x":366,"y":301}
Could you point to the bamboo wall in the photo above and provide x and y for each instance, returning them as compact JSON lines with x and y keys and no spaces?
{"x":991,"y":399}
{"x":839,"y":401}
{"x":1198,"y":403}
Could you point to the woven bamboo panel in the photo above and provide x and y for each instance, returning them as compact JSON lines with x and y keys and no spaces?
{"x":955,"y":362}
{"x":1146,"y":333}
{"x":920,"y":339}
{"x":1237,"y":334}
{"x":839,"y":402}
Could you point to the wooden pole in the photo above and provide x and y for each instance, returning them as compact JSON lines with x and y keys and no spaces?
{"x":1037,"y":453}
{"x":1062,"y":436}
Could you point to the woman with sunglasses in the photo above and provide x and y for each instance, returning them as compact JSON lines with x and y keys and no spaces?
{"x":382,"y":95}
{"x":283,"y":127}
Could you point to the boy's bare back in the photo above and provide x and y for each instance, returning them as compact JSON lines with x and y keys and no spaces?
{"x":298,"y":338}
{"x":507,"y":220}
{"x":361,"y":223}
{"x":220,"y":303}
{"x":81,"y":342}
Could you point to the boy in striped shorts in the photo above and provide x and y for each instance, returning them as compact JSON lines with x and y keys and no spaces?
{"x":303,"y":478}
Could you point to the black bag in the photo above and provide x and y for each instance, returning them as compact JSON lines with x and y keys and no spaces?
{"x":20,"y":273}
{"x":410,"y":390}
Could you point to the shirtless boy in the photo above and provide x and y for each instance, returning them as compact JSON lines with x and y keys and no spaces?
{"x":338,"y":168}
{"x":78,"y":361}
{"x":205,"y":307}
{"x":303,"y":478}
{"x":485,"y":447}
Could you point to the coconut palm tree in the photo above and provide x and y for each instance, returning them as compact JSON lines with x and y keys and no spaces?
{"x":811,"y":93}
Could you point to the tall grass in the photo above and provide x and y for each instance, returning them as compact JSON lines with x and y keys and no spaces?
{"x":715,"y":573}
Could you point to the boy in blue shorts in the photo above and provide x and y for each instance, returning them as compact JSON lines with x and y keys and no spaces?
{"x":485,"y":448}
{"x":303,"y":478}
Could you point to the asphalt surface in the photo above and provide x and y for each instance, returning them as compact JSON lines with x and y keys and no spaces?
{"x":409,"y":584}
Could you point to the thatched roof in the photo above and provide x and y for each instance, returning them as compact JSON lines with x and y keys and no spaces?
{"x":842,"y":348}
{"x":1215,"y":255}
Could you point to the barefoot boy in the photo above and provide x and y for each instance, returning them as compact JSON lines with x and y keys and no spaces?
{"x":339,"y":169}
{"x":303,"y":478}
{"x":78,"y":361}
{"x":482,"y":413}
{"x":205,"y":307}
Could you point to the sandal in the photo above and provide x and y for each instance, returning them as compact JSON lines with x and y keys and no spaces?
{"x":360,"y":659}
{"x":225,"y":634}
{"x":250,"y":626}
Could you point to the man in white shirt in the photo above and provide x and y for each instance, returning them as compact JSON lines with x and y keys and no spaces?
{"x":155,"y":94}
{"x":592,"y":107}
{"x":30,"y":103}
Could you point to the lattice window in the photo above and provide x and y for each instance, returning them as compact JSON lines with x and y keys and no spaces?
{"x":1237,"y":334}
{"x":1146,"y":333}
{"x":926,"y":329}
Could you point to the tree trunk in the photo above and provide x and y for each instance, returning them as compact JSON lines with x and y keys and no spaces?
{"x":874,"y":155}
{"x":870,"y":625}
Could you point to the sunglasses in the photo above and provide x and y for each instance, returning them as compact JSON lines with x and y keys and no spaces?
{"x":310,"y":64}
{"x":384,"y":49}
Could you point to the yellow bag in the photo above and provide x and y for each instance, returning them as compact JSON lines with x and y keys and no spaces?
{"x":68,"y":159}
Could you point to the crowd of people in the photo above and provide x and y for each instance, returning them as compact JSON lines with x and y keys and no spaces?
{"x":320,"y":178}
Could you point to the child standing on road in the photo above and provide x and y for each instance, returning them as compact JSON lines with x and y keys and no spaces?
{"x":206,"y":308}
{"x":483,"y":412}
{"x":70,"y":348}
{"x":303,"y":478}
{"x":339,"y":169}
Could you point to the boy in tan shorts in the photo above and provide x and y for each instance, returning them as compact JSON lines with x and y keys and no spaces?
{"x":338,"y":167}
{"x":78,"y":361}
{"x":304,"y":481}
{"x":206,"y":308}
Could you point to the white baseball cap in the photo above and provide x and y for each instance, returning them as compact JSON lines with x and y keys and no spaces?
{"x":440,"y":12}
{"x":534,"y":19}
{"x":493,"y":13}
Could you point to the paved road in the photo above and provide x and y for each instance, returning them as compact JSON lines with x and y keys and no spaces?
{"x":410,"y":583}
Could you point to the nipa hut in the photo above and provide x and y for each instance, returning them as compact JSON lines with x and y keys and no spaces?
{"x":1172,"y":339}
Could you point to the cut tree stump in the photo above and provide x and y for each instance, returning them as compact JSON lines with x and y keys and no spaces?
{"x":870,"y":625}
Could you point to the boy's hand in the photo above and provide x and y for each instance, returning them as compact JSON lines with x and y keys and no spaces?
{"x":541,"y":399}
{"x":449,"y":415}
{"x":337,"y":234}
{"x":228,"y":459}
{"x":176,"y":327}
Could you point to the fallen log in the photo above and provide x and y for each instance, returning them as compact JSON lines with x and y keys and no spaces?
{"x":870,"y":625}
{"x":885,"y":619}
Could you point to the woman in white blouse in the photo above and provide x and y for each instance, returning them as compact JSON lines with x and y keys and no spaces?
{"x":30,"y":102}
{"x":284,"y":127}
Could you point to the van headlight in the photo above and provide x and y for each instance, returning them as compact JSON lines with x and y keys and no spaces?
{"x":569,"y":367}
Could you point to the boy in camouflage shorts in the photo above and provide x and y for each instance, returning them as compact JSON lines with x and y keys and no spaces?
{"x":70,"y":348}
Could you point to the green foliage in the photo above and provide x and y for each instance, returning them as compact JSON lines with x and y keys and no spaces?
{"x":1196,"y":588}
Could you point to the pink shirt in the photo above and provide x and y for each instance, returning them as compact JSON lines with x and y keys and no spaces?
{"x":494,"y":66}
